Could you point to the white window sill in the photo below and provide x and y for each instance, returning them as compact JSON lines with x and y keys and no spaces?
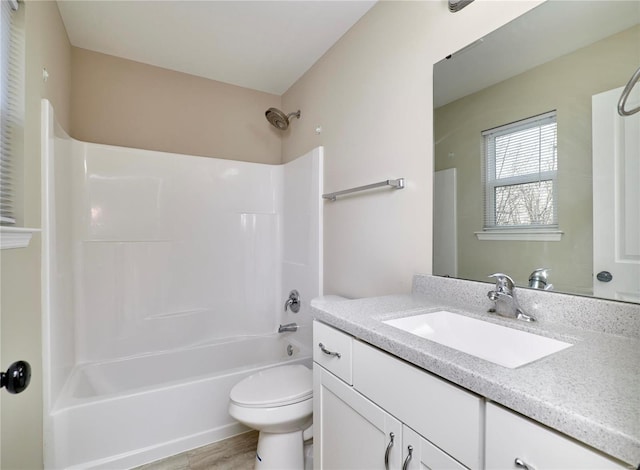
{"x":16,"y":237}
{"x":530,"y":235}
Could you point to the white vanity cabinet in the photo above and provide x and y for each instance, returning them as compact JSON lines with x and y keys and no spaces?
{"x":353,"y":425}
{"x":362,"y":395}
{"x":351,"y":432}
{"x":510,"y":436}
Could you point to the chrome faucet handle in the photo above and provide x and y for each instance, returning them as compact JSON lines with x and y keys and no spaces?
{"x":504,"y":283}
{"x":293,"y":302}
{"x":541,"y":272}
{"x":538,"y":279}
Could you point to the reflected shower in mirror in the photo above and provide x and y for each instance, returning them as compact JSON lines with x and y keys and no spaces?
{"x":513,"y":194}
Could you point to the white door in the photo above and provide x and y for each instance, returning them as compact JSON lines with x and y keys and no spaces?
{"x":349,"y":431}
{"x":445,"y":233}
{"x":616,"y":198}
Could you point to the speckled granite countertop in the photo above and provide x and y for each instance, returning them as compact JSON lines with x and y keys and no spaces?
{"x":590,"y":391}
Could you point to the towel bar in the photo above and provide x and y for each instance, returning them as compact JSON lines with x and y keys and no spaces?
{"x":396,"y":184}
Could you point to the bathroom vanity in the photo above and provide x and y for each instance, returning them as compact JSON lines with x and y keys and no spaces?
{"x":386,"y":398}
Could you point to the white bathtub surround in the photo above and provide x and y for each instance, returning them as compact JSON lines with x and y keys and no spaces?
{"x":164,"y":279}
{"x":589,"y":391}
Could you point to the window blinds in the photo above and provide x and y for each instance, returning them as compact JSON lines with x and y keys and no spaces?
{"x":519,"y":177}
{"x":11,"y":105}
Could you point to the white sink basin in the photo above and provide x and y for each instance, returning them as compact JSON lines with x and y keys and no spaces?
{"x":504,"y":346}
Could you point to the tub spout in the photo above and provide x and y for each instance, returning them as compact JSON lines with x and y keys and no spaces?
{"x":288,"y":327}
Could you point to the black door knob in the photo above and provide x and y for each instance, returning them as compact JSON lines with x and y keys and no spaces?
{"x":604,"y":276}
{"x":17,"y":377}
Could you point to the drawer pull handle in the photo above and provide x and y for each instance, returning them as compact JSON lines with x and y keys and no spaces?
{"x":386,"y":454}
{"x":521,"y":464}
{"x":405,"y":465}
{"x":329,"y":353}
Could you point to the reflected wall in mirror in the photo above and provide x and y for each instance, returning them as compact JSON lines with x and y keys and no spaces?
{"x":557,"y":56}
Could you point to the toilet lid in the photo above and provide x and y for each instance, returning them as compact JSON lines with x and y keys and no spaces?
{"x":278,"y":386}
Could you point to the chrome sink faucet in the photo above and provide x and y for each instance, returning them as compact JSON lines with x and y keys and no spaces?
{"x":505,"y":292}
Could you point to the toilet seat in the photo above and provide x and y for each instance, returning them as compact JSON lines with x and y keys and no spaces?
{"x":279,"y":386}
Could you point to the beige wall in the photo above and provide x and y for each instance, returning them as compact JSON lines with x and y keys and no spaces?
{"x":566,"y":85}
{"x":372,"y":95}
{"x":46,"y":46}
{"x":120,"y":102}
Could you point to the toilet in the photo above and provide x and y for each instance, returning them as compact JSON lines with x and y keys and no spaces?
{"x":278,"y":402}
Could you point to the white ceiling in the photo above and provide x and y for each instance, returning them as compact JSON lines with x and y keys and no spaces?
{"x":264,"y":45}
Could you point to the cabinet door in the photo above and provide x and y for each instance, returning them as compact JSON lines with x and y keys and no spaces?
{"x":511,"y":436}
{"x":349,"y":431}
{"x":424,"y":455}
{"x":445,"y":414}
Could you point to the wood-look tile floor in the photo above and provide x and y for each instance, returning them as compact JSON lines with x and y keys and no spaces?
{"x":235,"y":453}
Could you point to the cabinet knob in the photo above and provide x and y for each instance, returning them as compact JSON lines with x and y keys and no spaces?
{"x":405,"y":465}
{"x":522,"y":464}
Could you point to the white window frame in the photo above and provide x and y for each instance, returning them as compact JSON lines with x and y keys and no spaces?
{"x":12,"y":66}
{"x":532,"y":232}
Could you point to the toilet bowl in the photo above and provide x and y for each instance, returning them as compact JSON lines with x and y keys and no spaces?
{"x":278,"y":402}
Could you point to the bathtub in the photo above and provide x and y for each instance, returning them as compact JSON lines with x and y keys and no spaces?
{"x":124,"y":413}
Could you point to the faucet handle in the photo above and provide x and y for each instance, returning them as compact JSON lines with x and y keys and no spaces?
{"x":538,"y":279}
{"x":541,"y":272}
{"x":293,"y":302}
{"x":503,"y":282}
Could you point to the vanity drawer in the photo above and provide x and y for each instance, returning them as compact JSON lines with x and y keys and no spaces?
{"x":447,"y":415}
{"x":335,"y":352}
{"x":510,"y":436}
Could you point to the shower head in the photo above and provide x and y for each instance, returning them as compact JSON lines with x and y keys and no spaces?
{"x":278,"y":119}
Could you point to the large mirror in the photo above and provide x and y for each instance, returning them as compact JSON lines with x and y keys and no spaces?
{"x":564,"y":59}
